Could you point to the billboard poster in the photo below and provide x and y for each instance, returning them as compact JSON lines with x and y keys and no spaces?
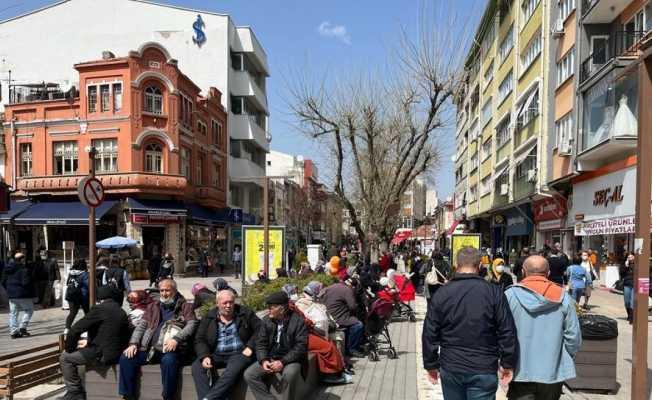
{"x":253,"y":251}
{"x":459,"y":241}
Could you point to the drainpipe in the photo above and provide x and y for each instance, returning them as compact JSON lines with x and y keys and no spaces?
{"x":15,"y":154}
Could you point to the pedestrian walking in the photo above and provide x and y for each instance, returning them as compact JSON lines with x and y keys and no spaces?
{"x":53,"y":275}
{"x":18,"y":281}
{"x":76,"y":292}
{"x":498,"y":276}
{"x":558,"y":263}
{"x":41,"y":276}
{"x":627,"y":277}
{"x":579,"y":279}
{"x":469,"y":337}
{"x":518,"y":264}
{"x":237,"y":260}
{"x":589,"y":266}
{"x":153,"y":267}
{"x":548,"y":334}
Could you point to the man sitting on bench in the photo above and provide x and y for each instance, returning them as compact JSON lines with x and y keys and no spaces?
{"x":226,"y":337}
{"x":281,"y":347}
{"x":106,"y":324}
{"x":160,"y":337}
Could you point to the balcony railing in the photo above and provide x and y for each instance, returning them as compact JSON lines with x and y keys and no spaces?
{"x":622,"y":43}
{"x":587,"y":5}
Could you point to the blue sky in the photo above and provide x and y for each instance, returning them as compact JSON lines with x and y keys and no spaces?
{"x":333,"y":37}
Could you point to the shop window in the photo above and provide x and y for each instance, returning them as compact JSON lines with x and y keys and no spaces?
{"x":154,"y":158}
{"x":66,"y":158}
{"x":153,"y":100}
{"x":26,"y":159}
{"x":106,"y":157}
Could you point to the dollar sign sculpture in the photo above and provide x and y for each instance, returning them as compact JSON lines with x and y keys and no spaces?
{"x":200,"y":36}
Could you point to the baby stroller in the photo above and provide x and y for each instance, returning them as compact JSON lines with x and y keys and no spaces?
{"x":377,"y":331}
{"x":406,"y":293}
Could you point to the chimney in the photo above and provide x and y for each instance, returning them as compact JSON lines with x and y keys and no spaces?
{"x":107,"y":55}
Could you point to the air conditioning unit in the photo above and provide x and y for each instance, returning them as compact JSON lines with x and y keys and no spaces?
{"x":531,"y":175}
{"x":566,"y":148}
{"x":558,"y":28}
{"x":504,"y":189}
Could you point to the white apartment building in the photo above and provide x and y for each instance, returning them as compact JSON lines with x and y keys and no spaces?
{"x":43,"y":46}
{"x":432,"y":202}
{"x":413,"y":204}
{"x":288,"y":165}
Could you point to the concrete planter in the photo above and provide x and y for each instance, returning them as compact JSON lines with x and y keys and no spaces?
{"x":596,"y":366}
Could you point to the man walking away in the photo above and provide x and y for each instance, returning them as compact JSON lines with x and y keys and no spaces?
{"x":558,"y":263}
{"x":106,"y":324}
{"x":53,"y":275}
{"x":470,"y":322}
{"x":548,"y":334}
{"x":18,"y":281}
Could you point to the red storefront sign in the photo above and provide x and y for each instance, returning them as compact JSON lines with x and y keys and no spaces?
{"x":549,"y":209}
{"x":154,"y":219}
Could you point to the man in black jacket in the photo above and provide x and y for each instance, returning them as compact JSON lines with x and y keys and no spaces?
{"x":558,"y":263}
{"x":18,"y":280}
{"x":470,"y":320}
{"x":226,"y":337}
{"x":107,"y":327}
{"x":281,"y":347}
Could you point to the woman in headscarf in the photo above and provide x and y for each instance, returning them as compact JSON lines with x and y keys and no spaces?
{"x":138,"y":301}
{"x":497,"y":275}
{"x":203,"y":295}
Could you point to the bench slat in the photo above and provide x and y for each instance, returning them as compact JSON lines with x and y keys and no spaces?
{"x":27,"y":352}
{"x":49,"y":361}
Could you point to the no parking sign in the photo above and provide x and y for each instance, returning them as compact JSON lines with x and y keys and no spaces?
{"x":90,"y":192}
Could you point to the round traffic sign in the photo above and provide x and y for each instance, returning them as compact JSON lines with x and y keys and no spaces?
{"x":92,"y":193}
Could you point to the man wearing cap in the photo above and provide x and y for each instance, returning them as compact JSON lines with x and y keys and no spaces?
{"x":226,"y":338}
{"x":341,"y":304}
{"x":107,"y":326}
{"x":281,"y":347}
{"x":18,"y":281}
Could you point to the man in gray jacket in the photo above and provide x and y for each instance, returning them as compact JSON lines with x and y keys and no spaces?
{"x":341,"y":304}
{"x":160,"y":337}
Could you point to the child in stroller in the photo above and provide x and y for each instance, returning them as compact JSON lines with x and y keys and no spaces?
{"x":398,"y":289}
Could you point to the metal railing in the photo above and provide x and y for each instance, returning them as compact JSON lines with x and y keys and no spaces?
{"x":621,"y":43}
{"x":587,"y":5}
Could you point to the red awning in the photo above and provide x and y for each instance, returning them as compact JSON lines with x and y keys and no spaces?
{"x":401,"y":235}
{"x":452,"y":228}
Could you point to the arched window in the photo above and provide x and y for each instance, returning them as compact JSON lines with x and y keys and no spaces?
{"x":154,"y":158}
{"x":153,"y":100}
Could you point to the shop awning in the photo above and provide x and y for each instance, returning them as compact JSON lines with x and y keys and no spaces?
{"x":156,"y":207}
{"x":208,"y":216}
{"x":400,"y":235}
{"x":61,"y":213}
{"x":15,"y":208}
{"x":452,"y":228}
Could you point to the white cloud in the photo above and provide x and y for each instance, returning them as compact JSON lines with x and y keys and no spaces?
{"x":339,"y":32}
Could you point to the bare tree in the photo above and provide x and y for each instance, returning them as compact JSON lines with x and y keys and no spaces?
{"x":384,"y":130}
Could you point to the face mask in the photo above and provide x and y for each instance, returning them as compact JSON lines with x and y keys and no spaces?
{"x":500,"y":269}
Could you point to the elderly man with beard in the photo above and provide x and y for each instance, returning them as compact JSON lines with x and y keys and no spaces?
{"x":281,"y":347}
{"x":226,"y":338}
{"x":160,"y":337}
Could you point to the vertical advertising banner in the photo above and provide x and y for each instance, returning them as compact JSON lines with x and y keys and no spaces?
{"x":463,"y":240}
{"x":253,"y":250}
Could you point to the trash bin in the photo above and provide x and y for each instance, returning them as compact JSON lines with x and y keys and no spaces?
{"x":597,"y":359}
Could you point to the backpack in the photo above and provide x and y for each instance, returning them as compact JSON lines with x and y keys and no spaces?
{"x":114,"y":278}
{"x":74,"y":289}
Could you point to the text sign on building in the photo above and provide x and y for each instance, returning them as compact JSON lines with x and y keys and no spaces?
{"x":609,"y":226}
{"x":549,"y":209}
{"x":602,"y":198}
{"x":609,"y":195}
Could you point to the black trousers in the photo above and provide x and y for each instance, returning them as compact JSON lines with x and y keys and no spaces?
{"x":209,"y":385}
{"x":534,"y":391}
{"x":73,"y":310}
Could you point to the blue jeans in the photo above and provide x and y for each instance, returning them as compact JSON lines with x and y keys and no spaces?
{"x":353,"y":337}
{"x":458,"y":386}
{"x":130,"y":373}
{"x":628,"y":296}
{"x":16,"y":306}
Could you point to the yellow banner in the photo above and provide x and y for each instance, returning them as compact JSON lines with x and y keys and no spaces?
{"x":253,"y":250}
{"x":463,"y":240}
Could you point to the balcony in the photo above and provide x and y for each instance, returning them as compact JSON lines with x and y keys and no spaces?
{"x":136,"y":182}
{"x":245,"y":127}
{"x":27,"y":93}
{"x":602,"y":11}
{"x":248,"y":43}
{"x":621,"y":45}
{"x":242,"y":169}
{"x":243,"y":84}
{"x":610,"y":120}
{"x":210,"y":196}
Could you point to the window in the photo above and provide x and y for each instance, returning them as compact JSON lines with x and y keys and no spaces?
{"x":475,"y":161}
{"x":217,"y":175}
{"x":528,"y":164}
{"x":216,"y":132}
{"x":565,"y":8}
{"x":26,"y":159}
{"x":489,"y":74}
{"x":506,"y":86}
{"x":648,"y":16}
{"x":201,"y":128}
{"x":488,"y":41}
{"x":106,"y":158}
{"x":474,"y":131}
{"x":104,"y":98}
{"x":473,"y":193}
{"x":153,"y":100}
{"x":527,"y":9}
{"x":185,"y":112}
{"x":238,"y":105}
{"x":92,"y":99}
{"x":185,"y":162}
{"x":486,"y":112}
{"x":485,"y":186}
{"x":564,"y":134}
{"x":531,"y":52}
{"x":507,"y":44}
{"x":485,"y":150}
{"x":66,"y":158}
{"x":502,"y":132}
{"x":154,"y":158}
{"x":529,"y":109}
{"x":237,"y":61}
{"x":199,"y":169}
{"x":117,"y":97}
{"x":566,"y":67}
{"x":235,"y":148}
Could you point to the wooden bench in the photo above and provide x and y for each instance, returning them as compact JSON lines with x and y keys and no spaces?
{"x":26,"y":369}
{"x":104,"y":385}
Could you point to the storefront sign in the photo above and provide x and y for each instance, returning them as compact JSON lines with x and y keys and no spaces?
{"x":138,"y":218}
{"x":519,"y":221}
{"x":253,"y":249}
{"x":549,"y":209}
{"x":607,"y":226}
{"x":550,"y":225}
{"x":515,"y":221}
{"x":464,"y":240}
{"x":604,"y":198}
{"x":144,"y":219}
{"x":609,"y":195}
